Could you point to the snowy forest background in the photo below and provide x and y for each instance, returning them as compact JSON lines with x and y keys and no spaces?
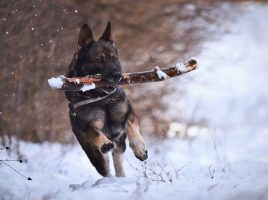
{"x":207,"y":132}
{"x":39,"y":39}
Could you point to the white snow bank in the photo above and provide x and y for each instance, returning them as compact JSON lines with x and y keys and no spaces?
{"x":56,"y":83}
{"x":175,"y":168}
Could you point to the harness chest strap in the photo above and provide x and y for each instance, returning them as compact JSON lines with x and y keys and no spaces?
{"x":74,"y":106}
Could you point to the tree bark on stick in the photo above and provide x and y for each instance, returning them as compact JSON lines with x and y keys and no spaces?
{"x":95,"y":81}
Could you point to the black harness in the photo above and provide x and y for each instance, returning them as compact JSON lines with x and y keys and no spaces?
{"x":73,"y":106}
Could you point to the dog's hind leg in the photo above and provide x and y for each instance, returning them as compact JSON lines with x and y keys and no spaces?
{"x":99,"y":160}
{"x":118,"y":164}
{"x":118,"y":152}
{"x":94,"y":143}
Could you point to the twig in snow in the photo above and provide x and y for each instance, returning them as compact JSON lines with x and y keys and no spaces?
{"x":211,"y":171}
{"x":4,"y":148}
{"x":212,"y":186}
{"x":155,"y":176}
{"x":28,"y":178}
{"x":221,"y":161}
{"x":145,"y":173}
{"x":4,"y":161}
{"x":180,"y":169}
{"x":132,"y":166}
{"x":7,"y":160}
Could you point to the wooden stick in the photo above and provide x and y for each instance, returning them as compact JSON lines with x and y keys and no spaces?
{"x":91,"y":82}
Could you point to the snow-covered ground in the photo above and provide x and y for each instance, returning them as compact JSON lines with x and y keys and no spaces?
{"x":227,"y":160}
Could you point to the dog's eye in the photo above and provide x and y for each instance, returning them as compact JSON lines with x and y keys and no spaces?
{"x":113,"y":56}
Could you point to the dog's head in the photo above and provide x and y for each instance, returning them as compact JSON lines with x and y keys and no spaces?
{"x":97,"y":57}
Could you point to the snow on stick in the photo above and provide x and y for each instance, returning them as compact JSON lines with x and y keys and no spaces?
{"x":56,"y":83}
{"x":95,"y":81}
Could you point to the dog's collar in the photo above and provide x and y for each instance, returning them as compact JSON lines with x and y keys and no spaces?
{"x":74,"y":106}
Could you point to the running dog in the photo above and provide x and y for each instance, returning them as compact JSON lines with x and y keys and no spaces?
{"x":102,"y":118}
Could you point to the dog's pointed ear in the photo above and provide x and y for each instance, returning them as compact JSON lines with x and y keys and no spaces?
{"x":85,"y":35}
{"x":107,"y":34}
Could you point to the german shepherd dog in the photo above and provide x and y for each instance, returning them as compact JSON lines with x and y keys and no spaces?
{"x":102,"y":118}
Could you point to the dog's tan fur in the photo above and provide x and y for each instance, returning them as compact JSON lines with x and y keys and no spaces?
{"x":136,"y":141}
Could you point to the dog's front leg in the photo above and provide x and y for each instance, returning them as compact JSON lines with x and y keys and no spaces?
{"x":136,"y":141}
{"x":102,"y":142}
{"x":96,"y":136}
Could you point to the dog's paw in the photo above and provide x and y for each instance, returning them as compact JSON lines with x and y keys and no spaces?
{"x":139,"y":149}
{"x":142,"y":156}
{"x":107,"y":147}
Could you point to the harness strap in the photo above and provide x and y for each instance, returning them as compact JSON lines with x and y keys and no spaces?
{"x":74,"y":106}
